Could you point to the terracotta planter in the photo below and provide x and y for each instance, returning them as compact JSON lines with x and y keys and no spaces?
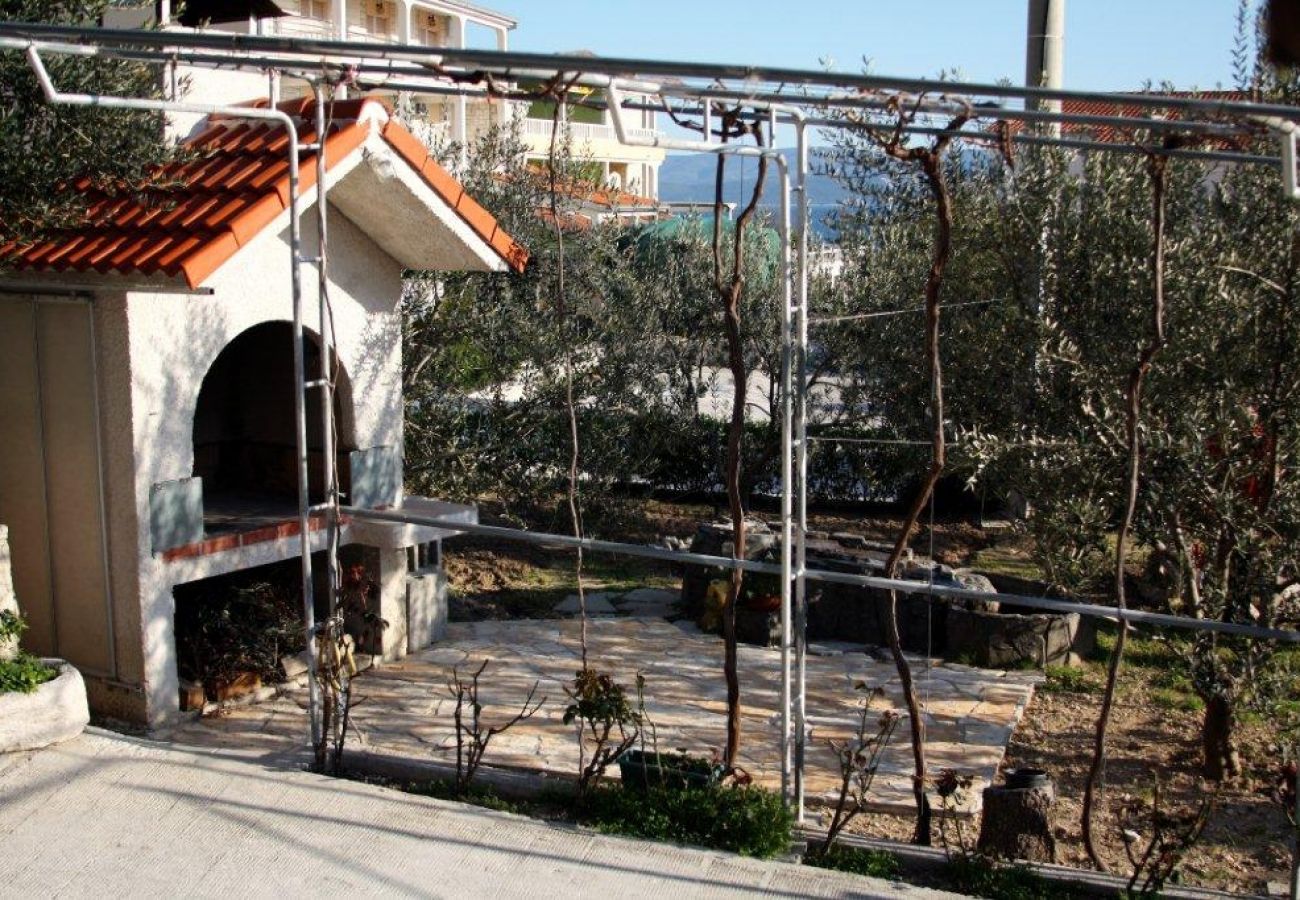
{"x":56,"y":711}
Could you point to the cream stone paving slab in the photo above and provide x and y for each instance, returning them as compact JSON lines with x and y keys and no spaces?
{"x":969,"y":713}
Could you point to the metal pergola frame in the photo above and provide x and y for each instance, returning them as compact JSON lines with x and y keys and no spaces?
{"x":771,"y":96}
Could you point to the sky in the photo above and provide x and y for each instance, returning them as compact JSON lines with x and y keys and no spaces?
{"x":1109,"y":44}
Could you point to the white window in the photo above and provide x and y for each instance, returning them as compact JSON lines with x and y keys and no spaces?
{"x":432,"y":29}
{"x":377,"y":15}
{"x":315,"y":9}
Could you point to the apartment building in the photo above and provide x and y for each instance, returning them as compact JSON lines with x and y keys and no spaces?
{"x":630,"y":172}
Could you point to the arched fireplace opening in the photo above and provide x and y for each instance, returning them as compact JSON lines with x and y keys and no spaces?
{"x":245,"y":447}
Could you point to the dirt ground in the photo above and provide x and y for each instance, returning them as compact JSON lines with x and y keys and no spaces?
{"x":1244,"y":846}
{"x":1155,"y":728}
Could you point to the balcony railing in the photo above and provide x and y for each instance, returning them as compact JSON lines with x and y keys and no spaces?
{"x":303,"y":26}
{"x":584,"y":131}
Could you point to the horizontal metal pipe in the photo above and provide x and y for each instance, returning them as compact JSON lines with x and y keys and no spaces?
{"x":951,"y":107}
{"x":902,"y":586}
{"x":508,"y":61}
{"x":441,"y":86}
{"x":832,"y":320}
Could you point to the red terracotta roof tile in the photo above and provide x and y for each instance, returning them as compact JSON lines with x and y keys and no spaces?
{"x":1117,"y":108}
{"x":203,"y":209}
{"x":254,"y":217}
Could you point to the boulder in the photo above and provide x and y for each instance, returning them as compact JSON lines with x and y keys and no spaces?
{"x":1003,"y":640}
{"x":973,"y":581}
{"x":714,"y":539}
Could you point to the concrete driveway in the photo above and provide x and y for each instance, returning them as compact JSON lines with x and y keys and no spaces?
{"x":112,"y":816}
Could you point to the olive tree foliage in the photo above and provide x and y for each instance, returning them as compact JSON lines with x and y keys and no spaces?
{"x":1055,"y":251}
{"x":486,"y":412}
{"x":44,"y":147}
{"x":485,"y":398}
{"x":1217,"y":501}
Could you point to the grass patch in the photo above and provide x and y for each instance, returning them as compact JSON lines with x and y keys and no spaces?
{"x":749,"y":820}
{"x":475,"y":795}
{"x":1068,"y":680}
{"x":1009,"y":558}
{"x":1179,"y":701}
{"x":24,"y":674}
{"x":876,"y":863}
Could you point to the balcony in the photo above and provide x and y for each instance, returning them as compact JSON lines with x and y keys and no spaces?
{"x":583,"y":132}
{"x":303,"y":26}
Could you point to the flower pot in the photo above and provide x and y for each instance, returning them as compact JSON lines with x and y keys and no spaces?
{"x":644,"y":769}
{"x":1027,"y":779}
{"x":56,"y":711}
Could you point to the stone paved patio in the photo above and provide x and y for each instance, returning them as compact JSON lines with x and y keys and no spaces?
{"x":406,"y":711}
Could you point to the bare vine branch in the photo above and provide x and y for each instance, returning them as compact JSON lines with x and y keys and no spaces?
{"x":729,"y":290}
{"x":1158,"y":171}
{"x":472,"y":738}
{"x":559,"y":91}
{"x":930,"y":159}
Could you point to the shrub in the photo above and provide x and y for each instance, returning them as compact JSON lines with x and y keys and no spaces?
{"x":745,"y":819}
{"x":981,"y":877}
{"x":876,"y":863}
{"x":24,"y":674}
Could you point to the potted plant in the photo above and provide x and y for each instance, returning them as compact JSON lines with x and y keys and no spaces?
{"x":641,"y":768}
{"x":42,"y":701}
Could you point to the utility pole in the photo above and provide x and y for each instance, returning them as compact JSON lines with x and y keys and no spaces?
{"x":1045,"y":53}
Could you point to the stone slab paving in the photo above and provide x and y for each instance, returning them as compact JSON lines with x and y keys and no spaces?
{"x":406,"y":711}
{"x":108,"y":816}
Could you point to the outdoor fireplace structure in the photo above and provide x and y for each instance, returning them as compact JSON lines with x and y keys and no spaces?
{"x":147,"y":387}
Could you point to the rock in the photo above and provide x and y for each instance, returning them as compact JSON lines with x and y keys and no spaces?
{"x":973,"y":581}
{"x":650,"y":595}
{"x":1008,"y":640}
{"x":294,"y":667}
{"x":848,"y":539}
{"x":762,"y":629}
{"x":598,"y":604}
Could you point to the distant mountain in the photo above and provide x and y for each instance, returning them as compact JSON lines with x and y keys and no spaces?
{"x":689,"y":178}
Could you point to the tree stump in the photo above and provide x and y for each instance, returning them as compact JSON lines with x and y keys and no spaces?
{"x":1017,"y":820}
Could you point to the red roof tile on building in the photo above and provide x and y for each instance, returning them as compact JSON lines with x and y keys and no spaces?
{"x":1118,"y":108}
{"x":233,"y":184}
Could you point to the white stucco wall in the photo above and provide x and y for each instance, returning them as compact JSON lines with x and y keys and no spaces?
{"x":171,"y":341}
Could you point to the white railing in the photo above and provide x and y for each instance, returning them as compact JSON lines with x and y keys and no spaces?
{"x":303,"y":26}
{"x":583,"y":131}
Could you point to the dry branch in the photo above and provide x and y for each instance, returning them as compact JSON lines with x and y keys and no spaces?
{"x":1157,"y":169}
{"x":729,"y":290}
{"x":472,"y":737}
{"x":930,"y":159}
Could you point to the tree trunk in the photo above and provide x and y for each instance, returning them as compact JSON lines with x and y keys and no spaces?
{"x":1157,"y":168}
{"x":1017,"y":824}
{"x":729,"y":292}
{"x":1219,"y":739}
